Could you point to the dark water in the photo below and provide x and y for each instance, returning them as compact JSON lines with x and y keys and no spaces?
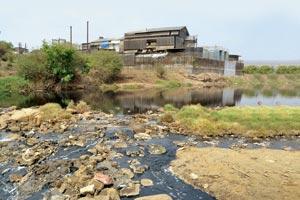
{"x":142,"y":101}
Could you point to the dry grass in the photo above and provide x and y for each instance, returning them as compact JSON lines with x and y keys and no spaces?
{"x":260,"y":121}
{"x":81,"y":107}
{"x":241,"y":174}
{"x":53,"y":112}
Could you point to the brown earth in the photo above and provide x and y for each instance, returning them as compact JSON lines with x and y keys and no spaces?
{"x":147,"y":78}
{"x":241,"y":174}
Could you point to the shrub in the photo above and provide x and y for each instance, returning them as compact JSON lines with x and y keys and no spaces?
{"x":33,"y":67}
{"x":52,"y":64}
{"x":288,"y":70}
{"x":105,"y":65}
{"x":63,"y":61}
{"x":252,"y":69}
{"x":6,"y":49}
{"x":160,"y":71}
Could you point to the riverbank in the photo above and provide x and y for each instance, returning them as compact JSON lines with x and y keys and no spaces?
{"x":80,"y":153}
{"x":240,"y":174}
{"x":261,"y":121}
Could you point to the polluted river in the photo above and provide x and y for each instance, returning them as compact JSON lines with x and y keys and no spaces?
{"x":129,"y":150}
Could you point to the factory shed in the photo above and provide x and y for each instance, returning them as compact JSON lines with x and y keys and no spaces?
{"x":158,"y":40}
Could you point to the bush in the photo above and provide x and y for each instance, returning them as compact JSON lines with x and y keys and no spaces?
{"x":160,"y":71}
{"x":33,"y":67}
{"x":63,"y":61}
{"x":105,"y":65}
{"x":6,"y":50}
{"x":52,"y":64}
{"x":252,"y":69}
{"x":288,"y":70}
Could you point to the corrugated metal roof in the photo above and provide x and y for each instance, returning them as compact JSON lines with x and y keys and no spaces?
{"x":149,"y":30}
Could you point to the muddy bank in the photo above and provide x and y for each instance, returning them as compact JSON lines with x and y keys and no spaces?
{"x":75,"y":153}
{"x":240,"y":174}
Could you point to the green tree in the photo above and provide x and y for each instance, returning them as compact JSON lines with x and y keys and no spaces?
{"x":6,"y":48}
{"x":52,"y":65}
{"x":63,"y":61}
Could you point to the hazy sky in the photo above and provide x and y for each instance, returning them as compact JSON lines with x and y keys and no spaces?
{"x":256,"y":29}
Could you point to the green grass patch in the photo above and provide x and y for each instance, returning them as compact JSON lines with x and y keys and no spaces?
{"x":169,"y":84}
{"x":262,"y":121}
{"x":10,"y":91}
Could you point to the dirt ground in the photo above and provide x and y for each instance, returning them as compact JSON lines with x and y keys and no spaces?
{"x":241,"y":174}
{"x":147,"y":78}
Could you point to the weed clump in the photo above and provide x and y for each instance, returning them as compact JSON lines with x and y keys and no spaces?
{"x":53,"y":112}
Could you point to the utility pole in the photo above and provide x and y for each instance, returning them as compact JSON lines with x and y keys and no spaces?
{"x":87,"y":36}
{"x":71,"y":36}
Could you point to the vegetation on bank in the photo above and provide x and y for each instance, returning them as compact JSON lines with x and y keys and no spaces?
{"x":266,"y":69}
{"x":286,"y":84}
{"x":11,"y":88}
{"x":260,"y":121}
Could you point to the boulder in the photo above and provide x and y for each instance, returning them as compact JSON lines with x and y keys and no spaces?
{"x":146,"y":182}
{"x":156,"y":149}
{"x":90,"y":189}
{"x":155,"y":197}
{"x":108,"y":194}
{"x":130,"y":191}
{"x":142,"y":136}
{"x":105,"y":179}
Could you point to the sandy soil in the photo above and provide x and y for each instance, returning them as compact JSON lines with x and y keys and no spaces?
{"x":241,"y":174}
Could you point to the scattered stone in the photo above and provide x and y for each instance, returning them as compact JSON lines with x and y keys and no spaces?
{"x":15,"y":178}
{"x":90,"y":189}
{"x":98,"y":185}
{"x":156,"y":149}
{"x":155,"y":197}
{"x":108,"y":194}
{"x":127,"y":172}
{"x":142,"y":136}
{"x":120,"y":145}
{"x":105,"y":179}
{"x":130,"y":191}
{"x":194,"y":176}
{"x":134,"y":152}
{"x":146,"y":182}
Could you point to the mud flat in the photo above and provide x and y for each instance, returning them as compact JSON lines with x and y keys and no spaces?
{"x":242,"y":173}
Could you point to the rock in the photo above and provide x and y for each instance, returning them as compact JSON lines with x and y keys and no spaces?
{"x":15,"y":178}
{"x":146,"y":182}
{"x":98,"y":185}
{"x":142,"y":136}
{"x":3,"y":124}
{"x":130,"y":191}
{"x":14,"y":128}
{"x":32,"y":141}
{"x":155,"y":197}
{"x":138,"y":128}
{"x":90,"y":189}
{"x":120,"y":145}
{"x":108,"y":194}
{"x":156,"y":149}
{"x":193,"y":176}
{"x":135,"y":151}
{"x":139,"y":169}
{"x":23,"y":115}
{"x":127,"y":172}
{"x":105,"y":179}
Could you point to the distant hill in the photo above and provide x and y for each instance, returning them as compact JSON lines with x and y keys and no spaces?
{"x":272,"y":62}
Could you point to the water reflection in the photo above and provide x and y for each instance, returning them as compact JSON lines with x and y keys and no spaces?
{"x":142,"y":101}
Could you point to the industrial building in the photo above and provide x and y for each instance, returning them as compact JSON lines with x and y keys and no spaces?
{"x":104,"y":44}
{"x":169,"y":46}
{"x":158,"y":40}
